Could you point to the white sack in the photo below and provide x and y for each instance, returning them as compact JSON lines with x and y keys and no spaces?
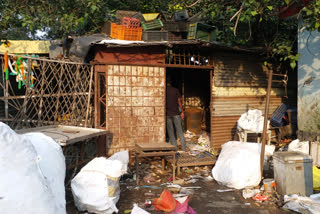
{"x":252,"y":121}
{"x":25,"y":178}
{"x":301,"y":204}
{"x":96,"y":187}
{"x":299,"y":146}
{"x":238,"y":165}
{"x":52,"y":164}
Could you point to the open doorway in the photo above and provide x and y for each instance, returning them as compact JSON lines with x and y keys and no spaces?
{"x":195,"y":89}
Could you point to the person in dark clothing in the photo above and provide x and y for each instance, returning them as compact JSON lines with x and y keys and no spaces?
{"x":173,"y":115}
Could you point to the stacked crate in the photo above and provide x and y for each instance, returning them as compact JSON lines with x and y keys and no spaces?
{"x":175,"y":24}
{"x":153,"y":31}
{"x":129,"y":30}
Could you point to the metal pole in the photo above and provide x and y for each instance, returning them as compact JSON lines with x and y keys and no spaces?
{"x":266,"y":111}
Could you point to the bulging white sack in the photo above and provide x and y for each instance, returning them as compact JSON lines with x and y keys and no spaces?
{"x":238,"y":165}
{"x":96,"y":187}
{"x":26,"y":175}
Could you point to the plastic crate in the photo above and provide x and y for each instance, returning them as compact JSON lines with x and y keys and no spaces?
{"x":152,"y":25}
{"x":202,"y":32}
{"x":276,"y":119}
{"x":130,"y":22}
{"x":181,"y":15}
{"x":155,"y":36}
{"x":175,"y":26}
{"x":123,"y":33}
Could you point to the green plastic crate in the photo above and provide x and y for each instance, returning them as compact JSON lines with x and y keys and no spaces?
{"x":202,"y":32}
{"x":155,"y":24}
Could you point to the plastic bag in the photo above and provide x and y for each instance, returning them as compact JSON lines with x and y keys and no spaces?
{"x":166,"y":202}
{"x":251,"y":120}
{"x":238,"y":165}
{"x":96,"y":187}
{"x":27,"y":181}
{"x":299,"y":146}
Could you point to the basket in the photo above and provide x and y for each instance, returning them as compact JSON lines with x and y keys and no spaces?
{"x":276,"y":119}
{"x":155,"y":36}
{"x":123,"y":33}
{"x":202,"y":32}
{"x":155,"y":24}
{"x":130,"y":22}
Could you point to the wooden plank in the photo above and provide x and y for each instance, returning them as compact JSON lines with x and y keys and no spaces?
{"x":66,"y":135}
{"x":155,"y":146}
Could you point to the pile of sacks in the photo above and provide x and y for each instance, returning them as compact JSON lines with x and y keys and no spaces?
{"x":32,"y":173}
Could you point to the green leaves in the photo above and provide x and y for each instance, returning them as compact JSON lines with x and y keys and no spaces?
{"x":253,"y":13}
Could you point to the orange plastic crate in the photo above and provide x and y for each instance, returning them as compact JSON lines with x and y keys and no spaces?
{"x":123,"y":33}
{"x":130,"y":22}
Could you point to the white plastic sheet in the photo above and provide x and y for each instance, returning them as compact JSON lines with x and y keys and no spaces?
{"x":301,"y":204}
{"x":238,"y":165}
{"x":32,"y":173}
{"x":137,"y":210}
{"x":299,"y":146}
{"x":96,"y":187}
{"x":251,"y":120}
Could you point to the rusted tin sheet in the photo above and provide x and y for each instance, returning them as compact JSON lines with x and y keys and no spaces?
{"x":131,"y":100}
{"x":240,"y":70}
{"x":131,"y":55}
{"x":231,"y":106}
{"x":227,"y":110}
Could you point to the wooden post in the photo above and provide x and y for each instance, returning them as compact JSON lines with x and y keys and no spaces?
{"x":266,"y":111}
{"x":89,"y":96}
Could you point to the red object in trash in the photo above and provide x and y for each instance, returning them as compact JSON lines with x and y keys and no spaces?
{"x":165,"y":202}
{"x":259,"y":197}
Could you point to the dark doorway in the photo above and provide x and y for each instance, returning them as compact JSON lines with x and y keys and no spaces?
{"x":194,"y":86}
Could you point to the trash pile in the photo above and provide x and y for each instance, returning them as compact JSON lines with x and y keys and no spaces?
{"x":198,"y":142}
{"x":32,"y":170}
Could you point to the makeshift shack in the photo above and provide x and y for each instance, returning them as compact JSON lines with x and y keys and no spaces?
{"x":130,"y":87}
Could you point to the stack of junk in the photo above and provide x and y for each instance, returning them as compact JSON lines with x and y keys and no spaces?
{"x":135,"y":26}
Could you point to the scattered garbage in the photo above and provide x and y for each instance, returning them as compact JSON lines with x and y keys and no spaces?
{"x":137,"y":210}
{"x":90,"y":184}
{"x":238,"y":165}
{"x":167,"y":203}
{"x":225,"y":190}
{"x":301,"y":204}
{"x":32,"y":170}
{"x":249,"y":193}
{"x":269,"y":185}
{"x":299,"y":146}
{"x":259,"y":197}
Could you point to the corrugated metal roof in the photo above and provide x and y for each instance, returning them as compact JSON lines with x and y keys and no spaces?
{"x":26,"y":47}
{"x":125,"y":43}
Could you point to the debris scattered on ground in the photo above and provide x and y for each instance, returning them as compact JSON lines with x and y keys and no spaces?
{"x":260,"y":197}
{"x":301,"y":204}
{"x":225,"y":190}
{"x":249,"y":193}
{"x":137,"y":210}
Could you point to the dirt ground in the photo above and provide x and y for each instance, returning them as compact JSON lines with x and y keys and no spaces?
{"x":206,"y":199}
